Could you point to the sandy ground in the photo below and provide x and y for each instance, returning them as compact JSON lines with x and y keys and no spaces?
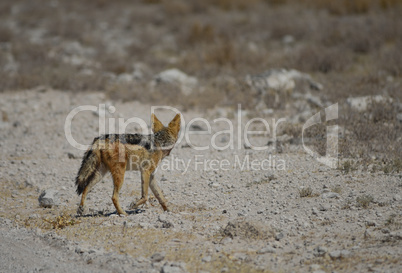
{"x":230,"y":218}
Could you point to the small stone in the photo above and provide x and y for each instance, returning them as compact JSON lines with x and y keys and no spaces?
{"x":399,"y":117}
{"x":279,"y":236}
{"x":48,"y":198}
{"x":172,"y":268}
{"x":367,"y":234}
{"x":325,"y":207}
{"x":385,"y":230}
{"x":215,"y":185}
{"x":226,"y":240}
{"x":345,"y":253}
{"x":320,"y":251}
{"x":330,"y":195}
{"x":397,"y":197}
{"x":157,"y":257}
{"x":268,"y":249}
{"x":207,"y":259}
{"x":335,"y":254}
{"x":314,"y":211}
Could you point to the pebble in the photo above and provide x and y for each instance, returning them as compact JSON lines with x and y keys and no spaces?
{"x":48,"y":198}
{"x":268,"y":249}
{"x":157,"y":257}
{"x":335,"y":254}
{"x":345,"y":253}
{"x":207,"y":259}
{"x":320,"y":251}
{"x":330,"y":195}
{"x":325,"y":207}
{"x":279,"y":236}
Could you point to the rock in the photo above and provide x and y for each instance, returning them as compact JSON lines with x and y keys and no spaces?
{"x":177,"y":77}
{"x":330,"y":195}
{"x":345,"y":253}
{"x":280,"y":80}
{"x":320,"y":251}
{"x":207,"y":259}
{"x":215,"y":185}
{"x":226,"y":240}
{"x":48,"y":198}
{"x":399,"y":117}
{"x":361,"y":104}
{"x":157,"y":257}
{"x":165,"y":223}
{"x":325,"y":207}
{"x":72,"y":156}
{"x":125,"y":78}
{"x":268,"y":249}
{"x":279,"y":236}
{"x":172,"y":268}
{"x":397,"y":197}
{"x":335,"y":254}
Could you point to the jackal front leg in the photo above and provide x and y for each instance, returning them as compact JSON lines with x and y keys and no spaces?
{"x":145,"y":178}
{"x":158,"y":193}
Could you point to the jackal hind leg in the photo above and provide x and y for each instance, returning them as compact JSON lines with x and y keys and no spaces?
{"x":158,"y":193}
{"x":97,"y":177}
{"x":145,"y":178}
{"x":118,"y":180}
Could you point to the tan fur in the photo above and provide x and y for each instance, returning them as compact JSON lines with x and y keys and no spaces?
{"x":117,"y":157}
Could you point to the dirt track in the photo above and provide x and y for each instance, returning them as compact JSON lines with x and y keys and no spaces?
{"x":229,"y":219}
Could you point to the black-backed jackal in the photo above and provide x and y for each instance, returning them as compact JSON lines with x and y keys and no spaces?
{"x":120,"y":152}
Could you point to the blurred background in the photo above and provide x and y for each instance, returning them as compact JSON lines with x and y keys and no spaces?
{"x":203,"y":54}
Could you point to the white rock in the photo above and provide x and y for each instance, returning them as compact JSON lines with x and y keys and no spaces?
{"x":268,"y":249}
{"x":175,"y":76}
{"x":335,"y":254}
{"x":207,"y":259}
{"x":48,"y":198}
{"x":330,"y":195}
{"x":361,"y":103}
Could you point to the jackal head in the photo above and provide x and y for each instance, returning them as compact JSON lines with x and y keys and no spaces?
{"x":166,"y":137}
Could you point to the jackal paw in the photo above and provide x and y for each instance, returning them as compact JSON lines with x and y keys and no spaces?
{"x":80,"y":210}
{"x":133,"y":205}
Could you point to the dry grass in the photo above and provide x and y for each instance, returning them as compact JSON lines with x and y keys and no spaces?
{"x":364,"y":201}
{"x":246,"y":230}
{"x":306,"y":192}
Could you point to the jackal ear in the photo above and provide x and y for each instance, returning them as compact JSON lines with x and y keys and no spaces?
{"x":175,"y":124}
{"x":156,"y":124}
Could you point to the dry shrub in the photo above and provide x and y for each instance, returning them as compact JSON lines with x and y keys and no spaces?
{"x":246,"y":230}
{"x":233,"y":4}
{"x":306,"y":192}
{"x":201,"y":33}
{"x":222,"y":54}
{"x":176,"y":7}
{"x":347,"y":7}
{"x":364,"y":201}
{"x":61,"y":222}
{"x":391,"y":60}
{"x":320,"y":59}
{"x":5,"y":34}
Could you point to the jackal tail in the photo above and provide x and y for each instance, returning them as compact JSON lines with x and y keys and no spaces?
{"x":89,"y":170}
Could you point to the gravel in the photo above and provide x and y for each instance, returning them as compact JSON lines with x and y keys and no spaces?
{"x":255,"y":217}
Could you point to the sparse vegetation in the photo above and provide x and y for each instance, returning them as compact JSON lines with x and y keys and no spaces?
{"x":306,"y":192}
{"x":347,"y":166}
{"x":364,"y":201}
{"x":62,"y":221}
